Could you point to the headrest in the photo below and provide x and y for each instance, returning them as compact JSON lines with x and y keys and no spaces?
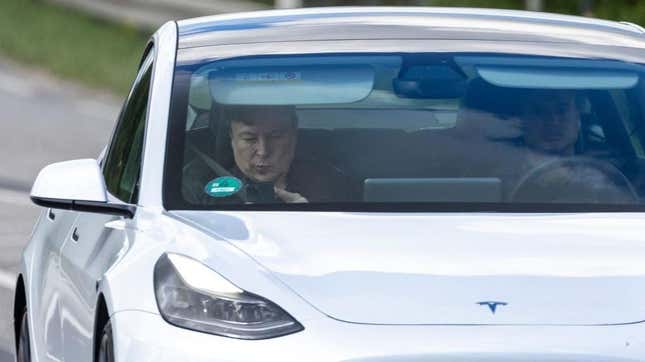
{"x":486,"y":112}
{"x":484,"y":97}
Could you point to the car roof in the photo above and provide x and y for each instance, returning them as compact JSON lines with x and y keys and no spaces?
{"x":351,"y":23}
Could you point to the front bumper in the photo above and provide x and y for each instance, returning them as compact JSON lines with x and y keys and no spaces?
{"x":142,"y":336}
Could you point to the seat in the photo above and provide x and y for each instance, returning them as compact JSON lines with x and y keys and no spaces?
{"x":486,"y":130}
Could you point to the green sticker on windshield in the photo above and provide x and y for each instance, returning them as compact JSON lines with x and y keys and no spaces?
{"x":223,"y":186}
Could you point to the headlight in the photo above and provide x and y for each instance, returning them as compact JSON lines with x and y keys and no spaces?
{"x":191,"y":295}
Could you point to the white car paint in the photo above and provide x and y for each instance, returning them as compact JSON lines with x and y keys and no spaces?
{"x":329,"y":340}
{"x":70,"y":274}
{"x":70,"y":173}
{"x":435,"y":268}
{"x":143,"y":334}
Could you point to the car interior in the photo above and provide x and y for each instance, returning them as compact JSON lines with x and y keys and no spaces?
{"x":448,"y":148}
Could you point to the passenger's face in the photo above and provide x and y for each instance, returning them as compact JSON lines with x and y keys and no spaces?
{"x":263,"y":150}
{"x":551,"y":123}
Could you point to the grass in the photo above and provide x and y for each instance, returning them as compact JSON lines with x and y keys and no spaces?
{"x":628,"y":10}
{"x":70,"y":44}
{"x":618,"y":10}
{"x":105,"y":55}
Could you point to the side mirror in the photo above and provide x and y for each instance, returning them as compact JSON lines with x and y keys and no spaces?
{"x":76,"y":185}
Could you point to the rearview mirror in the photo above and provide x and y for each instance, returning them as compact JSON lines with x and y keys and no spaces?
{"x":429,"y":82}
{"x":76,"y":185}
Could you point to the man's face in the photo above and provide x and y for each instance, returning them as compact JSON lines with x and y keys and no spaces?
{"x":263,"y":149}
{"x":551,"y":123}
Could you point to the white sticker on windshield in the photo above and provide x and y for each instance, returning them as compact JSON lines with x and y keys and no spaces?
{"x":267,"y":76}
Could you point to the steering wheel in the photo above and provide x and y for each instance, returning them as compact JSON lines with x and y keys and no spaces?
{"x":574,"y":179}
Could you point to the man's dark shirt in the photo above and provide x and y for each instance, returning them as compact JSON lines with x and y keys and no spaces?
{"x":314,"y":180}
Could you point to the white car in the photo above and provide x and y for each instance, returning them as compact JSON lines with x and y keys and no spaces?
{"x":377,"y":184}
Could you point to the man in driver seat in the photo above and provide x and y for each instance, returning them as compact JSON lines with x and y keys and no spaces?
{"x":550,"y":125}
{"x":550,"y":122}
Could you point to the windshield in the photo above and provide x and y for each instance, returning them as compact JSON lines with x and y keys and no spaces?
{"x":422,"y":131}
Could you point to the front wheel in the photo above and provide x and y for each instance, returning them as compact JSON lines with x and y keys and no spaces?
{"x":106,"y":345}
{"x":24,"y":351}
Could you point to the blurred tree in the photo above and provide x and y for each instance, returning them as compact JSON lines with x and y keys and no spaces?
{"x":619,"y":10}
{"x":534,"y":5}
{"x":585,"y":7}
{"x":288,"y":4}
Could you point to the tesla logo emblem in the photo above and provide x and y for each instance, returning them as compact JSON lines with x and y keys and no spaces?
{"x":492,"y":305}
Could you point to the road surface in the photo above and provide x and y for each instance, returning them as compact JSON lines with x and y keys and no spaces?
{"x":42,"y":120}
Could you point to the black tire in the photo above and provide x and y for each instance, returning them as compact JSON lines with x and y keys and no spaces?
{"x":23,"y":354}
{"x":106,"y":345}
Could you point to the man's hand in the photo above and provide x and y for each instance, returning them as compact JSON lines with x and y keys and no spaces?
{"x":289,"y":197}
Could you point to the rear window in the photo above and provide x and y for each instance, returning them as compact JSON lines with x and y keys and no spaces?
{"x":421,"y":131}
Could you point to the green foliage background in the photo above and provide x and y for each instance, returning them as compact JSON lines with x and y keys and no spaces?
{"x":621,"y":10}
{"x":73,"y":45}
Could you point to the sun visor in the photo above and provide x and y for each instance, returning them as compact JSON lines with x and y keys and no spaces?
{"x":294,"y":85}
{"x":544,"y":78}
{"x":542,"y":73}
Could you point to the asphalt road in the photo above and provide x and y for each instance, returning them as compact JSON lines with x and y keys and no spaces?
{"x":42,"y":120}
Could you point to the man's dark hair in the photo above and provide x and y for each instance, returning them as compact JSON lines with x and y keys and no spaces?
{"x":251,"y":114}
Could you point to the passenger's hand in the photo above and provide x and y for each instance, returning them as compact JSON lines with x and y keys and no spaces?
{"x":290,"y":197}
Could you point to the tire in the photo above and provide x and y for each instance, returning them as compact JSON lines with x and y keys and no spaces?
{"x":23,"y":354}
{"x":106,"y":345}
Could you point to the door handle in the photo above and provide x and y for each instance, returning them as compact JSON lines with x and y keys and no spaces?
{"x":75,"y":234}
{"x":50,"y":215}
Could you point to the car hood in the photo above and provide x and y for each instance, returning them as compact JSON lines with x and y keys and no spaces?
{"x":502,"y":269}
